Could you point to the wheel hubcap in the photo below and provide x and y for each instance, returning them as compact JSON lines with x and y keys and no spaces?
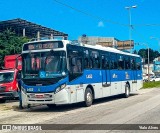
{"x":89,"y":97}
{"x":127,"y":91}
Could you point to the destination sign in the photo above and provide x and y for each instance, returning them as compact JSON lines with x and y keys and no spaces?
{"x":43,"y":45}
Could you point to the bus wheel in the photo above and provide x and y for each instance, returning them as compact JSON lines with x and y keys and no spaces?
{"x":51,"y":106}
{"x":127,"y":91}
{"x":28,"y":106}
{"x":88,"y":97}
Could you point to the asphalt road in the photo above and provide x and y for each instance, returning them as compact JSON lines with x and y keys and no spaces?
{"x":140,"y":108}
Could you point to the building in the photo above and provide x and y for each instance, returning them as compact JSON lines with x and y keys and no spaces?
{"x":31,"y":30}
{"x":107,"y":41}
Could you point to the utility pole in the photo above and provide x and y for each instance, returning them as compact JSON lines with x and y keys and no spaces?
{"x":148,"y":58}
{"x":148,"y":64}
{"x":130,"y":24}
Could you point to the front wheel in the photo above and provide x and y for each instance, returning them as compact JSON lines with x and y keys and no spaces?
{"x":88,"y":97}
{"x":127,"y":91}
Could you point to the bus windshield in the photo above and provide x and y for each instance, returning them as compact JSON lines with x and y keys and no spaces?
{"x":44,"y":65}
{"x":6,"y":77}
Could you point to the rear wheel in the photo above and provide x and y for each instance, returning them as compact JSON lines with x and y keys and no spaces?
{"x":88,"y":97}
{"x":127,"y":91}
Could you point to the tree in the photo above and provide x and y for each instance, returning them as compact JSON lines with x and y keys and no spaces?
{"x":134,"y":52}
{"x":10,"y":43}
{"x":152,"y":54}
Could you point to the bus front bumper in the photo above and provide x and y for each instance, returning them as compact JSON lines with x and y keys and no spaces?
{"x":45,"y":98}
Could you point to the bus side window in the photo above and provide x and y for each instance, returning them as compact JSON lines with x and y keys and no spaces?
{"x":86,"y":59}
{"x":138,"y":63}
{"x":79,"y":65}
{"x":113,"y":61}
{"x":94,"y":59}
{"x":76,"y":65}
{"x":91,"y":62}
{"x":86,"y":63}
{"x":107,"y":62}
{"x":120,"y":62}
{"x":103,"y":61}
{"x":127,"y":63}
{"x":133,"y":64}
{"x":97,"y":63}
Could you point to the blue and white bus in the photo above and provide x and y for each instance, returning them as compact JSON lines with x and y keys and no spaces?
{"x":58,"y":72}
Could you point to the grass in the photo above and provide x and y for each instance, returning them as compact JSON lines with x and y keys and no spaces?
{"x":151,"y":84}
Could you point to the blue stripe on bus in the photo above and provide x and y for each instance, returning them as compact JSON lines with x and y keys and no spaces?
{"x":98,"y":76}
{"x":89,"y":77}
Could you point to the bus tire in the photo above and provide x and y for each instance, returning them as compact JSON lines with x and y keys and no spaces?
{"x":51,"y":106}
{"x":28,"y":106}
{"x":127,"y":91}
{"x":88,"y":97}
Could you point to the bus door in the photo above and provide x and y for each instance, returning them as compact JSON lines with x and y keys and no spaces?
{"x":75,"y":66}
{"x":134,"y":74}
{"x":106,"y":76}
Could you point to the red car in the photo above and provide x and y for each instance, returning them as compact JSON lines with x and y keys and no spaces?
{"x":8,"y":78}
{"x":8,"y":84}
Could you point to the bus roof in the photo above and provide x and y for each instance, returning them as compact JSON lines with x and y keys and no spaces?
{"x":109,"y":49}
{"x":99,"y":47}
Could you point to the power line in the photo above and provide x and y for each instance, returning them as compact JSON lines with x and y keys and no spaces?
{"x":90,"y":15}
{"x":103,"y":19}
{"x":140,"y":25}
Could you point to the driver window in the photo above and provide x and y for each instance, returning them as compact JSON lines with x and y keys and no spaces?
{"x":52,"y":63}
{"x":76,"y":65}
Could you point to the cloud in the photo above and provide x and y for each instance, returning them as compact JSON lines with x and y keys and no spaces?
{"x":100,"y":24}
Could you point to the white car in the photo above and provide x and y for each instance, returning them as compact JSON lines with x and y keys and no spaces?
{"x":155,"y":78}
{"x":145,"y":78}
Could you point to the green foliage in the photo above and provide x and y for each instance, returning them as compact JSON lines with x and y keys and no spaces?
{"x":151,"y":84}
{"x":134,"y":52}
{"x":152,"y":54}
{"x":10,"y":44}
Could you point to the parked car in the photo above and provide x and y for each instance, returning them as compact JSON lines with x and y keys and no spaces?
{"x":8,"y":78}
{"x":145,"y":79}
{"x":155,"y":78}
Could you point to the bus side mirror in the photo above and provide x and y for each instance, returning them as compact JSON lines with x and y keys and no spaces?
{"x":16,"y":65}
{"x":19,"y":75}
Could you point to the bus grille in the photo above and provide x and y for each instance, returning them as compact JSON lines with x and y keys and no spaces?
{"x":41,"y":100}
{"x":43,"y":82}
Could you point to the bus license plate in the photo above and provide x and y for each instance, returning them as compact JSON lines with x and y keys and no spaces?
{"x":39,"y":95}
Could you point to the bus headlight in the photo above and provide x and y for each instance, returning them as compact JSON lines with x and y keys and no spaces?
{"x":60,"y":88}
{"x":63,"y":86}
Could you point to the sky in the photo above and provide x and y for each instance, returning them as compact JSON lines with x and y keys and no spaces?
{"x":103,"y":18}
